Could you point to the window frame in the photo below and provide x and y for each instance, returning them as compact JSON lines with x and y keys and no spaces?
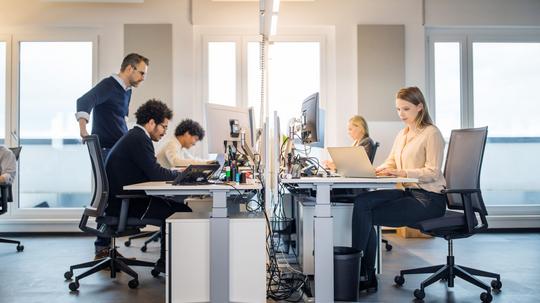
{"x":56,"y":215}
{"x":501,"y":216}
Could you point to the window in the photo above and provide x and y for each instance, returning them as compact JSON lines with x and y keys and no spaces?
{"x":447,"y":86}
{"x":505,"y":91}
{"x":222,"y":73}
{"x":54,"y":166}
{"x":294,"y":73}
{"x":472,"y":86}
{"x":3,"y":92}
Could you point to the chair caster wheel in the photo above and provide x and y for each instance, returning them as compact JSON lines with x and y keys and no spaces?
{"x":73,"y":286}
{"x":419,"y":294}
{"x":127,"y":243}
{"x":68,"y":275}
{"x":133,"y":283}
{"x":388,"y":247}
{"x":143,"y":249}
{"x":20,"y":248}
{"x":486,"y":297}
{"x":155,"y":273}
{"x":496,"y":284}
{"x":399,"y":280}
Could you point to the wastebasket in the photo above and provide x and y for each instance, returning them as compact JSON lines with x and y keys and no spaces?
{"x":346,"y":273}
{"x":281,"y":234}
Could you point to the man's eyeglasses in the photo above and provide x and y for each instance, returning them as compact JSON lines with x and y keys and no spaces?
{"x":164,"y":126}
{"x":140,"y":72}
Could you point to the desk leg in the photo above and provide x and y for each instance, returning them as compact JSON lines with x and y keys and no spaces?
{"x":324,"y":246}
{"x":219,"y":249}
{"x":378,"y":264}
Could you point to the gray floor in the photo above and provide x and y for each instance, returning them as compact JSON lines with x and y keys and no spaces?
{"x":36,"y":275}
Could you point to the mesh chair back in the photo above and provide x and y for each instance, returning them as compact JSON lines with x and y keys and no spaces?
{"x":374,"y":148}
{"x":101,"y":184}
{"x":463,"y":165}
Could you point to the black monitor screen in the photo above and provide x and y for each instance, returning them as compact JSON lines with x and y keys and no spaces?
{"x":312,"y":121}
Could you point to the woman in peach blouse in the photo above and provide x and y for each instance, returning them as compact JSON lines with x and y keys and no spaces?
{"x":417,"y":152}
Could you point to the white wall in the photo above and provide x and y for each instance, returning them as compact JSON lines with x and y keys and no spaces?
{"x":341,"y":17}
{"x":107,"y":21}
{"x":482,"y":13}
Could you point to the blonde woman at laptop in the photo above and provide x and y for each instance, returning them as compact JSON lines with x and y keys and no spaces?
{"x":358,"y":131}
{"x":417,"y":152}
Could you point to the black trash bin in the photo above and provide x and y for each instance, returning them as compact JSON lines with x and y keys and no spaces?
{"x":346,"y":273}
{"x":281,"y":234}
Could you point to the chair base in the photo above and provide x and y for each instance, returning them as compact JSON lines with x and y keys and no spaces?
{"x":154,"y":236}
{"x":112,"y":263}
{"x":448,"y":272}
{"x":19,"y":246}
{"x":387,"y":245}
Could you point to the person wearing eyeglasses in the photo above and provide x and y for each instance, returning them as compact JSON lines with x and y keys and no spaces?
{"x":176,"y":152}
{"x":132,"y":160}
{"x":109,"y":101}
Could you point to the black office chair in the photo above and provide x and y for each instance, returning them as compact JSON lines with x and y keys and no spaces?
{"x":153,"y":236}
{"x":7,"y":196}
{"x":109,"y":226}
{"x":462,"y":174}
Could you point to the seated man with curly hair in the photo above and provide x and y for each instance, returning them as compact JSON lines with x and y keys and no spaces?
{"x":175,"y":153}
{"x":132,"y":160}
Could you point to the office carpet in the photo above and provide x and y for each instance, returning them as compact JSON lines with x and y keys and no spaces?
{"x":36,"y":275}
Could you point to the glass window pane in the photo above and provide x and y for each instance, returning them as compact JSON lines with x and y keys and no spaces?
{"x":222,"y":73}
{"x":294,"y":74}
{"x":54,"y":166}
{"x":3,"y":59}
{"x":254,"y":79}
{"x":447,"y":86}
{"x":507,"y":101}
{"x":506,"y":91}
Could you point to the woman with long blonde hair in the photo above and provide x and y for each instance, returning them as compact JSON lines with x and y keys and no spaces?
{"x":417,"y":152}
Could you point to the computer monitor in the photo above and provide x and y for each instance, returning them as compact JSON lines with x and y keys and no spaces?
{"x":226,"y":123}
{"x":312,"y":120}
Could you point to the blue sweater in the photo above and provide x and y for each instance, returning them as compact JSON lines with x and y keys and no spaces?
{"x":132,"y":160}
{"x":110,"y":103}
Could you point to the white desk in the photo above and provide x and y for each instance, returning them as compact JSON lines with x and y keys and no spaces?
{"x":219,"y":225}
{"x":323,"y":223}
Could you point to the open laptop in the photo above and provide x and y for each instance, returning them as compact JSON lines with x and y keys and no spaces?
{"x":352,"y":162}
{"x":196,"y":174}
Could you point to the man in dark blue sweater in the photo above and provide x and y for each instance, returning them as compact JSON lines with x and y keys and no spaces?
{"x":132,"y":160}
{"x":109,"y":100}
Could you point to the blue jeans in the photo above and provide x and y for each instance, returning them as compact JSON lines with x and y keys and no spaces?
{"x":392,"y":208}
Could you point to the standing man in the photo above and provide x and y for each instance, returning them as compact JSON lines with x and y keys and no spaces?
{"x":110,"y":101}
{"x":132,"y":160}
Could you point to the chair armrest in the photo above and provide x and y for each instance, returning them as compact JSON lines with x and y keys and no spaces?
{"x":460,"y":191}
{"x":468,"y":210}
{"x":4,"y":197}
{"x":134,"y":196}
{"x":122,"y":219}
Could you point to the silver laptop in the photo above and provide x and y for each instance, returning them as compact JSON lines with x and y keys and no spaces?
{"x":352,"y":162}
